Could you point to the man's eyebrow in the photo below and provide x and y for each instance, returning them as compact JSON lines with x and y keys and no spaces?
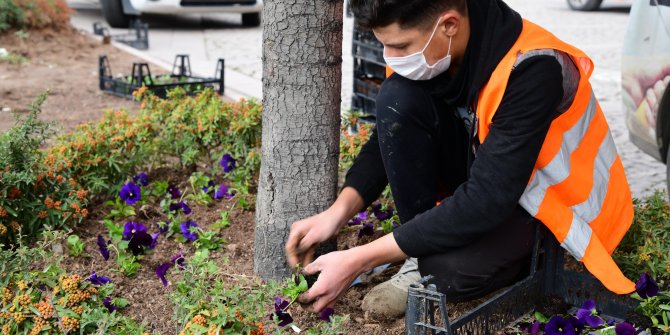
{"x":396,"y":45}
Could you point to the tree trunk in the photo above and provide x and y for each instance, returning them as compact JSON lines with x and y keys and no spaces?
{"x":302,"y":58}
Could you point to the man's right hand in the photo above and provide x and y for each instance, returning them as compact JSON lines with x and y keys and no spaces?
{"x":306,"y":234}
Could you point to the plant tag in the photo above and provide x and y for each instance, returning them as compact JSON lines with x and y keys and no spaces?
{"x":296,"y":329}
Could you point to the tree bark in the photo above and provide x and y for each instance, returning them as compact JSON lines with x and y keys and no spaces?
{"x":302,"y":58}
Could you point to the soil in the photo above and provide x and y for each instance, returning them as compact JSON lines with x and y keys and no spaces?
{"x":65,"y":63}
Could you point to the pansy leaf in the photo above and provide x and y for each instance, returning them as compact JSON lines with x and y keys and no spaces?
{"x":120,"y":302}
{"x":540,"y":317}
{"x":302,"y":287}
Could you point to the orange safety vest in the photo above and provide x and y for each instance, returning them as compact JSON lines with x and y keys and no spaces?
{"x":578,"y":188}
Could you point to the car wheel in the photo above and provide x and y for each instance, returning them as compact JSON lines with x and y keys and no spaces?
{"x":251,"y":19}
{"x":114,"y":15}
{"x":584,"y":5}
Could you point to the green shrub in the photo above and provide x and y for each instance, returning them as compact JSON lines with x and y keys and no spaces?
{"x":36,"y":189}
{"x":198,"y":130}
{"x":645,"y":247}
{"x":105,"y":153}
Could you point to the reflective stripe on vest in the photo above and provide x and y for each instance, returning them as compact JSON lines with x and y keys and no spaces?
{"x":578,"y":188}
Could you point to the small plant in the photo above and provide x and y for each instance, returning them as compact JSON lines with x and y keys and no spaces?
{"x":75,"y":245}
{"x":14,"y":59}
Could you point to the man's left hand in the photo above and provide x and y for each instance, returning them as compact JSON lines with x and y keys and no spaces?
{"x":337,"y":270}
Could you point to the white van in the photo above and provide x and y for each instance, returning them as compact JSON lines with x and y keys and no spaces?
{"x":118,"y":13}
{"x":645,"y":71}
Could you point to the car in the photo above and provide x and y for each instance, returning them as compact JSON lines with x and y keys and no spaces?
{"x":119,"y":13}
{"x":645,"y":78}
{"x":591,"y":5}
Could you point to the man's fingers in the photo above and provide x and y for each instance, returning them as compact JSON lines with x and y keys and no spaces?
{"x":312,"y":268}
{"x":292,"y":247}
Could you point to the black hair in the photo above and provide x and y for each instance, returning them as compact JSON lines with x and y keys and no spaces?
{"x":407,"y":13}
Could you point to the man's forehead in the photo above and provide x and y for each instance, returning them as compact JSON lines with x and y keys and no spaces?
{"x":393,"y":34}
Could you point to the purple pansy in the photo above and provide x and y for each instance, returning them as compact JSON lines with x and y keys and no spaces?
{"x":625,"y":328}
{"x":131,"y":228}
{"x":161,"y":270}
{"x":141,"y":179}
{"x":98,"y":280}
{"x":154,"y":240}
{"x":179,"y":260}
{"x":206,"y":188}
{"x":531,"y":328}
{"x":380,"y":214}
{"x":188,"y":230}
{"x":326,"y":313}
{"x":137,"y":237}
{"x":358,"y":219}
{"x":368,"y":229}
{"x":559,"y":326}
{"x":174,"y":191}
{"x":646,"y":286}
{"x":228,"y":163}
{"x":180,"y":205}
{"x":280,"y":312}
{"x":222,"y":192}
{"x":587,"y":314}
{"x":130,"y":193}
{"x":107,"y":302}
{"x":102,"y":247}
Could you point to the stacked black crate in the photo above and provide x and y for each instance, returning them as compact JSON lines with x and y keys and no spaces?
{"x":369,"y":70}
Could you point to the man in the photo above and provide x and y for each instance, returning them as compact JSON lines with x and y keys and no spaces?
{"x":494,"y":118}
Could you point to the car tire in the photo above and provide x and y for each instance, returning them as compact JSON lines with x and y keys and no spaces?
{"x":114,"y":15}
{"x":251,"y":19}
{"x":585,"y":5}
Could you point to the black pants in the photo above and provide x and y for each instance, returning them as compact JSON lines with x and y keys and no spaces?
{"x":424,"y":148}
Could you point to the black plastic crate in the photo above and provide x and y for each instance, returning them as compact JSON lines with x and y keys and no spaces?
{"x":366,"y":69}
{"x":363,"y":104}
{"x":368,"y":52}
{"x":547,"y":277}
{"x":141,"y":76}
{"x":365,"y":95}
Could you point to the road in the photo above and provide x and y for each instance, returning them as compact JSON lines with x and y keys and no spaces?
{"x":209,"y":37}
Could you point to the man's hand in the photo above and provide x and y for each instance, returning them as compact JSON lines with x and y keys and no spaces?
{"x":337,"y":271}
{"x":306,"y":234}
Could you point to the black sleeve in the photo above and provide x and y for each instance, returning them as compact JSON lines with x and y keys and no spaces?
{"x":367,"y":174}
{"x":501,"y":169}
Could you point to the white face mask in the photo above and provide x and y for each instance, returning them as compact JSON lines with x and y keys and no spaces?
{"x":416,"y":67}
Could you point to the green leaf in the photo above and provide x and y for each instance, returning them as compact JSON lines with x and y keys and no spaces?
{"x":120,"y":302}
{"x":72,"y":239}
{"x":540,"y":317}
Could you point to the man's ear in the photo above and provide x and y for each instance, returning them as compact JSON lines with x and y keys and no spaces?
{"x":451,"y":22}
